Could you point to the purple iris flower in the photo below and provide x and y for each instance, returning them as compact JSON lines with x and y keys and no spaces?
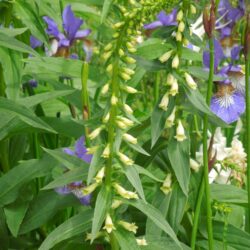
{"x":228,"y":103}
{"x":163,"y":20}
{"x":218,"y":55}
{"x":80,"y":150}
{"x":34,"y":42}
{"x":77,"y":187}
{"x":33,"y":83}
{"x":71,"y":26}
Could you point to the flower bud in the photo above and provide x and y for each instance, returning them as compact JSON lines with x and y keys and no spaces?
{"x":109,"y":68}
{"x":129,"y":60}
{"x":178,"y":36}
{"x":170,"y":120}
{"x":114,"y":100}
{"x":105,"y":89}
{"x":108,"y":47}
{"x":164,"y":102}
{"x":116,"y":204}
{"x":125,"y":159}
{"x":180,"y":132}
{"x":165,"y":56}
{"x":121,"y":124}
{"x":141,"y":242}
{"x":92,"y":150}
{"x":90,"y":189}
{"x":181,"y":26}
{"x":109,"y":226}
{"x":166,"y":187}
{"x":194,"y":165}
{"x":131,"y":227}
{"x":100,"y":175}
{"x":179,"y":16}
{"x":106,"y":118}
{"x":118,"y":25}
{"x":175,"y":62}
{"x":174,"y":88}
{"x":128,"y":109}
{"x":170,"y":79}
{"x":125,"y":76}
{"x":53,"y":47}
{"x":130,"y":90}
{"x":192,"y":9}
{"x":121,"y":52}
{"x":128,"y":71}
{"x":107,"y":55}
{"x":95,"y":133}
{"x":116,"y":35}
{"x":106,"y":152}
{"x":129,"y":138}
{"x":126,"y":121}
{"x":190,"y":81}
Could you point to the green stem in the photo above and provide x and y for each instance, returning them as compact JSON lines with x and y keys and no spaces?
{"x":85,"y":99}
{"x":157,"y":87}
{"x":205,"y":181}
{"x":248,"y":135}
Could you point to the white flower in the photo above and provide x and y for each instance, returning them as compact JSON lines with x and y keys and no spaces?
{"x":174,"y":88}
{"x":194,"y":165}
{"x":53,"y":47}
{"x":129,"y":138}
{"x":180,"y":132}
{"x":170,"y":120}
{"x":125,"y":159}
{"x":141,"y":242}
{"x":106,"y":151}
{"x":100,"y":175}
{"x":170,"y":79}
{"x":190,"y":81}
{"x":109,"y":226}
{"x":166,"y":56}
{"x":164,"y":102}
{"x":128,"y":226}
{"x":175,"y":62}
{"x":166,"y":186}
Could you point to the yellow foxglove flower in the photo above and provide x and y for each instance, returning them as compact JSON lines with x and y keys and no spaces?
{"x":129,"y":138}
{"x":128,"y":226}
{"x":164,"y":102}
{"x":125,"y":159}
{"x":180,"y":132}
{"x":106,"y":151}
{"x":100,"y":175}
{"x":166,"y":56}
{"x":190,"y":81}
{"x":109,"y":226}
{"x":175,"y":62}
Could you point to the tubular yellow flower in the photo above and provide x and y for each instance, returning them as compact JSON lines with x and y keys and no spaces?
{"x":114,"y":100}
{"x":130,"y":90}
{"x":178,"y":36}
{"x":95,"y":133}
{"x":194,"y":165}
{"x":100,"y":175}
{"x":170,"y":120}
{"x":116,"y":204}
{"x":141,"y":242}
{"x":129,"y":138}
{"x":190,"y":81}
{"x":170,"y":79}
{"x":109,"y":226}
{"x":166,"y":187}
{"x":128,"y":226}
{"x":125,"y":193}
{"x":179,"y":16}
{"x":181,"y":26}
{"x":90,"y":189}
{"x":128,"y":109}
{"x":125,"y":159}
{"x":175,"y":62}
{"x":174,"y":88}
{"x":105,"y":89}
{"x":166,"y":56}
{"x":106,"y":152}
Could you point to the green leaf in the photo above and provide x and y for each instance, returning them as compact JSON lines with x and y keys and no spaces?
{"x":155,"y":215}
{"x":158,"y":120}
{"x":16,"y":178}
{"x":229,"y":194}
{"x":145,"y":172}
{"x":76,"y":225}
{"x":75,"y":174}
{"x":198,"y":102}
{"x":105,"y":9}
{"x":152,"y":48}
{"x":12,"y":32}
{"x":235,"y":237}
{"x":12,"y":71}
{"x":189,"y":54}
{"x":44,"y":207}
{"x":12,"y":43}
{"x":68,"y":161}
{"x":102,"y":205}
{"x":178,"y":154}
{"x":23,"y":113}
{"x":125,"y":239}
{"x":134,"y":178}
{"x":26,"y":11}
{"x":38,"y":98}
{"x":138,"y":148}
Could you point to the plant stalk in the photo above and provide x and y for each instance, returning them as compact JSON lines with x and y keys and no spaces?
{"x":205,"y":182}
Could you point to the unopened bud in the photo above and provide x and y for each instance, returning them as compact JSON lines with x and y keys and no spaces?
{"x":95,"y":133}
{"x":106,"y":152}
{"x":192,"y":9}
{"x":100,"y":175}
{"x":164,"y":102}
{"x":128,"y":109}
{"x":178,"y":36}
{"x":105,"y":89}
{"x":129,"y":60}
{"x":125,"y":76}
{"x":109,"y":68}
{"x":174,"y":88}
{"x":166,"y":56}
{"x":106,"y":118}
{"x":179,"y":16}
{"x":130,"y":90}
{"x":170,"y":79}
{"x":129,"y":138}
{"x":175,"y":62}
{"x":180,"y":132}
{"x":190,"y":81}
{"x":181,"y":26}
{"x":114,"y":100}
{"x":170,"y":120}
